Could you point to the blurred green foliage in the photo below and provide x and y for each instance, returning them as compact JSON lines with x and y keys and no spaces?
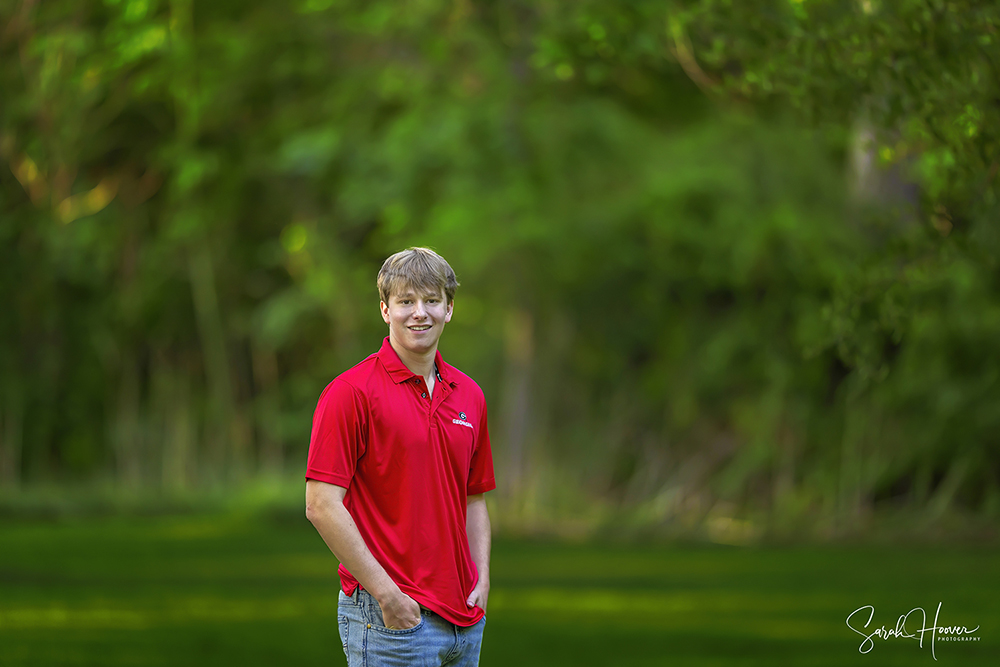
{"x":722,"y":262}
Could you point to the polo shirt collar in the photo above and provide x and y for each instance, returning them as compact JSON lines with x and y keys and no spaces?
{"x":400,"y":373}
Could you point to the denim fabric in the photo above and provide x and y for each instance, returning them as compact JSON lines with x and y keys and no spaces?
{"x":433,"y":642}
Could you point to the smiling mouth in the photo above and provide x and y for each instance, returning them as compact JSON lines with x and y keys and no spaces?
{"x":420,"y":327}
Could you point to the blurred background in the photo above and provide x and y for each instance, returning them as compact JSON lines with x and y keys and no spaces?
{"x":729,"y":271}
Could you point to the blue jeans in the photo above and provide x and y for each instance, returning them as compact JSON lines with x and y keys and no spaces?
{"x":433,"y":642}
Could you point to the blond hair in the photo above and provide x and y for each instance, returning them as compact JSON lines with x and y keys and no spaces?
{"x":419,"y":269}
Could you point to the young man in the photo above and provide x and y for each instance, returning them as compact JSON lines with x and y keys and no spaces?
{"x":399,"y":462}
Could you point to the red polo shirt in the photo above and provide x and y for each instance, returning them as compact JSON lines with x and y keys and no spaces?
{"x":409,"y":463}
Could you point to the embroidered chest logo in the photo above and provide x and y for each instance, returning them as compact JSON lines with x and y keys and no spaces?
{"x":461,"y":420}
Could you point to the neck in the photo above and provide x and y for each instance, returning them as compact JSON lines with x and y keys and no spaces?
{"x":419,"y":363}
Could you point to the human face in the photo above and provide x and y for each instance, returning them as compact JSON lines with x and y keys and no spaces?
{"x":416,"y":319}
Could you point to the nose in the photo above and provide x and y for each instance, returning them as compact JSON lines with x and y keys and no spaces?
{"x":419,"y":312}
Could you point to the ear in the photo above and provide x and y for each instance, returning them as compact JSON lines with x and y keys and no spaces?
{"x":447,"y":315}
{"x":385,"y":311}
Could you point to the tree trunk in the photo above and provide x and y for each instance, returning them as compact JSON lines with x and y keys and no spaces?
{"x":11,"y":440}
{"x":519,"y":353}
{"x":126,"y":434}
{"x":219,"y":427}
{"x":265,"y":380}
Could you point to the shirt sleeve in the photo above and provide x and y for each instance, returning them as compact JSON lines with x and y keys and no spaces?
{"x":481,"y":477}
{"x":338,"y":435}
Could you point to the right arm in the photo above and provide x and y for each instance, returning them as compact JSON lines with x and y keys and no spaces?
{"x":325,"y":509}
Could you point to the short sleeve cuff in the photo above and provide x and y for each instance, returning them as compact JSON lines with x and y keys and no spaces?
{"x":329,"y":478}
{"x":481,"y":487}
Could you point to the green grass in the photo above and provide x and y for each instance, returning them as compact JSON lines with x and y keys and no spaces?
{"x":252,"y":590}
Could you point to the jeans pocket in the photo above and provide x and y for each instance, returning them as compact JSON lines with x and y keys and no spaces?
{"x":400,"y":648}
{"x":380,"y":627}
{"x":374,"y":613}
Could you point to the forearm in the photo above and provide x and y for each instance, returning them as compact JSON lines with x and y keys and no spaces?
{"x":325,"y":509}
{"x":477,"y":526}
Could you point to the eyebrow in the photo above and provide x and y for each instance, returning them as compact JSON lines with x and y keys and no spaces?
{"x":425,"y":295}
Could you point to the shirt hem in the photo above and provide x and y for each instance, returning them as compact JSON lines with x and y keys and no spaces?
{"x":350,"y":585}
